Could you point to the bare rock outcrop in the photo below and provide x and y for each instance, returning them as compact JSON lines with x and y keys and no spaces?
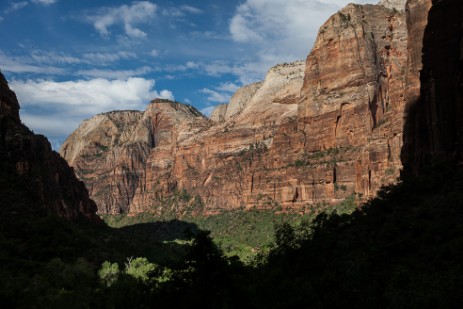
{"x":240,"y":99}
{"x":394,"y":4}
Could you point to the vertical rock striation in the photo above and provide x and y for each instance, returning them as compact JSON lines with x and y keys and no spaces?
{"x":353,"y":92}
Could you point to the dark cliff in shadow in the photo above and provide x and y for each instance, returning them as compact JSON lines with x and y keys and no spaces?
{"x":433,"y":128}
{"x":33,"y":177}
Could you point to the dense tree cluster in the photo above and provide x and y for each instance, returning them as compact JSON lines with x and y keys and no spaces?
{"x":402,"y":249}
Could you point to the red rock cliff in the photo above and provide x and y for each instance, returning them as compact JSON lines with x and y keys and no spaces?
{"x":310,"y":133}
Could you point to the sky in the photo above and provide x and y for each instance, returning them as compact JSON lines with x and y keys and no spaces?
{"x":68,"y":60}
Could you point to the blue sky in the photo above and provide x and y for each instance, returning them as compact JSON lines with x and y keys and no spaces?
{"x":70,"y":59}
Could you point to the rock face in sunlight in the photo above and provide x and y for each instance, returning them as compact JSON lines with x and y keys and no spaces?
{"x":394,"y":4}
{"x":308,"y":136}
{"x":31,"y":169}
{"x":353,"y":97}
{"x":110,"y":151}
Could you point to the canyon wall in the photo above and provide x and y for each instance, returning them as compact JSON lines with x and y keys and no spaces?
{"x":433,"y":129}
{"x":32,"y":171}
{"x":308,"y":136}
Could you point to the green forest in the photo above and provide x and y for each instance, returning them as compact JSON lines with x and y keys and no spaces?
{"x":402,"y":249}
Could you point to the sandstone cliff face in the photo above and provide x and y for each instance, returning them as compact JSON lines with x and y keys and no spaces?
{"x":312,"y":132}
{"x":434,"y":110}
{"x":362,"y":109}
{"x":110,"y":151}
{"x":218,"y":114}
{"x":29,"y":167}
{"x":240,"y":99}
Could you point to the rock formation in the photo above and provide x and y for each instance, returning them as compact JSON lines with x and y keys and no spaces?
{"x":363,"y":108}
{"x":110,"y":151}
{"x":219,"y":112}
{"x":311,"y":134}
{"x":32,"y":171}
{"x":394,"y":4}
{"x":434,"y":111}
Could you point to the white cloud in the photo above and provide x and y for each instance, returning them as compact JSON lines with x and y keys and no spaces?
{"x":207,"y":110}
{"x":45,"y":57}
{"x":228,"y":87}
{"x":154,"y":53}
{"x":15,"y":6}
{"x":166,"y":94}
{"x":219,"y":94}
{"x":114,"y":74}
{"x":105,"y":58}
{"x":180,"y":11}
{"x":191,"y":9}
{"x":45,"y":2}
{"x":51,"y":125}
{"x":63,"y":105}
{"x":247,"y":72}
{"x":216,"y":96}
{"x":172,"y":12}
{"x":241,"y":31}
{"x":46,"y":62}
{"x":191,"y":65}
{"x":20,"y":65}
{"x":127,"y":16}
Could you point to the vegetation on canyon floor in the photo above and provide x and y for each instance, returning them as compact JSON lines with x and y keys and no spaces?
{"x":402,"y":249}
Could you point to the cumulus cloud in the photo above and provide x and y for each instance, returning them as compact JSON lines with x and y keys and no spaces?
{"x":56,"y":108}
{"x":127,"y":16}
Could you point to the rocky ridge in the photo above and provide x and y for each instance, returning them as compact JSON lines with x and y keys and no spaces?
{"x":311,"y":134}
{"x":32,"y":171}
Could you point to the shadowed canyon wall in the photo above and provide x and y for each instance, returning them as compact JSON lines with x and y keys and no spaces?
{"x":434,"y":111}
{"x":31,"y":170}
